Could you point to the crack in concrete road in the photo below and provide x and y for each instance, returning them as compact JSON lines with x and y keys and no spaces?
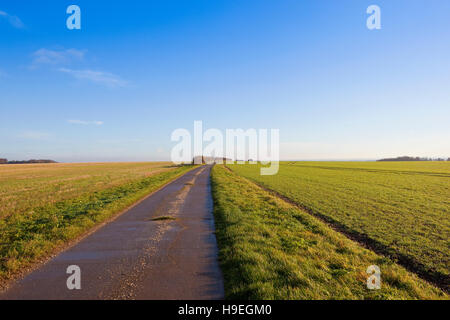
{"x":135,"y":257}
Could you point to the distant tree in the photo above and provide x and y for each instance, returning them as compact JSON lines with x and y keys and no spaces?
{"x":31,"y":161}
{"x":3,"y":161}
{"x":407,"y":158}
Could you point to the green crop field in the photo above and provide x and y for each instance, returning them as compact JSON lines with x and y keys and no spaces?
{"x":400,"y":209}
{"x":270,"y":249}
{"x":44,"y":206}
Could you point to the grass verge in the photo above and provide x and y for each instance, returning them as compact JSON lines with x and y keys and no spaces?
{"x":269,"y":249}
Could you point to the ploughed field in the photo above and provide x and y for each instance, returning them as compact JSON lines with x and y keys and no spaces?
{"x":45,"y":206}
{"x":398,"y":209}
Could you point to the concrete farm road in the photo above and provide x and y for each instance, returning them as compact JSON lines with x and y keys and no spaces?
{"x":137,"y":255}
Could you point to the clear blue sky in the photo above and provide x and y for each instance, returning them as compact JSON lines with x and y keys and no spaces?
{"x":137,"y":70}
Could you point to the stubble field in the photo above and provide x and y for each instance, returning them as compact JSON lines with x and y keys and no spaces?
{"x":45,"y":206}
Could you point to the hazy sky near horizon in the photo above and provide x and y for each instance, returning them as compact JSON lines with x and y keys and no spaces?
{"x":137,"y":70}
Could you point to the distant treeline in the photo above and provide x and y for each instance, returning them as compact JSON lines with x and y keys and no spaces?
{"x":406,"y":158}
{"x":5,"y":161}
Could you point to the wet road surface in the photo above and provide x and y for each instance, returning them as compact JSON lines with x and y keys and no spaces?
{"x":139,"y":257}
